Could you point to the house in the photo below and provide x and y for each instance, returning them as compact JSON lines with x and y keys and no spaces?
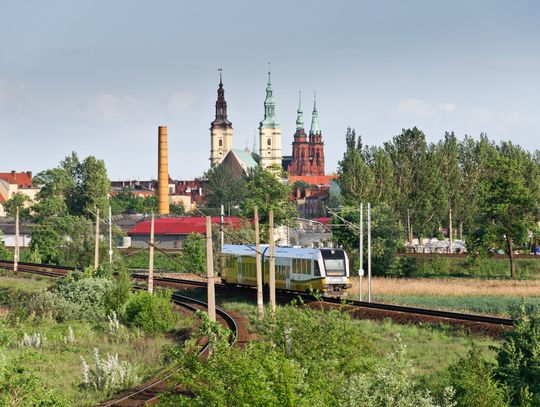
{"x":12,"y":183}
{"x":170,"y":233}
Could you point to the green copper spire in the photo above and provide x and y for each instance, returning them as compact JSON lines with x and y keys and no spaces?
{"x":315,"y":128}
{"x":299,"y":113}
{"x":270,"y":121}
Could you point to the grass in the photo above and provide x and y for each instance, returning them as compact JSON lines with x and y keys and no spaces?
{"x":23,"y":282}
{"x":493,"y":297}
{"x":430,"y":348}
{"x":58,"y":364}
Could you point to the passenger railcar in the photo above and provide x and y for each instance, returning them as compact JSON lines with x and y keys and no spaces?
{"x":297,"y":268}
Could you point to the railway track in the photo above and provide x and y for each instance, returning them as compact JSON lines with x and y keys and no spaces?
{"x":443,"y":315}
{"x":150,"y":392}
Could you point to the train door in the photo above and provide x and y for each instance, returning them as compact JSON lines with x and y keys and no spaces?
{"x":287,"y":270}
{"x":239,"y":277}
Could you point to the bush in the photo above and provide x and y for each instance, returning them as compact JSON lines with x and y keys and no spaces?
{"x":519,"y":359}
{"x":48,"y":303}
{"x":474,"y":382}
{"x":153,"y":313}
{"x":89,"y":293}
{"x":120,"y":293}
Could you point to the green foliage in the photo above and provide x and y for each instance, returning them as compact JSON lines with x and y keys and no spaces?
{"x":19,"y":386}
{"x":152,"y":313}
{"x":89,"y":294}
{"x":5,"y":254}
{"x":475,"y":384}
{"x":266,"y":190}
{"x":194,"y":253}
{"x":389,"y":384}
{"x":171,"y":262}
{"x":385,"y":238}
{"x":18,"y":200}
{"x":223,"y":188}
{"x":126,"y":201}
{"x":121,"y":291}
{"x":519,"y":359}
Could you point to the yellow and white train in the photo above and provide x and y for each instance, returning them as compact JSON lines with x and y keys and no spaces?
{"x":297,"y":268}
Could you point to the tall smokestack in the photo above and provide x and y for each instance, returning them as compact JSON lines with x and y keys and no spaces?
{"x":163,"y":172}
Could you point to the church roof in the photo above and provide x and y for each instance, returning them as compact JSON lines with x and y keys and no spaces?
{"x":246,"y":157}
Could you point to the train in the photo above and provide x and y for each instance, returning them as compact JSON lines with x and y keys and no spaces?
{"x":298,"y":269}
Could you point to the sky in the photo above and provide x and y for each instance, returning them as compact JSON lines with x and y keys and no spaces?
{"x":99,"y":77}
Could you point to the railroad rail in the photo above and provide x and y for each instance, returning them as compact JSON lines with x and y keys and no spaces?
{"x":448,"y":315}
{"x":150,"y":392}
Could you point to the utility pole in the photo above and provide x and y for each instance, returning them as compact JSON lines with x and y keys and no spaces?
{"x":361,"y":250}
{"x":96,"y":252}
{"x":369,"y":249}
{"x":272,"y":271}
{"x":450,"y":228}
{"x":222,"y":224}
{"x":210,"y":270}
{"x":16,"y":252}
{"x":110,"y":235}
{"x":151,"y":257}
{"x":260,"y":305}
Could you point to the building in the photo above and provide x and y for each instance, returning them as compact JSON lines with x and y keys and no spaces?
{"x":307,"y":153}
{"x":170,"y":233}
{"x":269,"y":132}
{"x":12,"y":183}
{"x":221,"y":131}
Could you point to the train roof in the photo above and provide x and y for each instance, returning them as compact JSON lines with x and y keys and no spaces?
{"x":293,"y":252}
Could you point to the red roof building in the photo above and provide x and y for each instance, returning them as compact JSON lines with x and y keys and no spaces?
{"x":169,"y":233}
{"x":21,"y":179}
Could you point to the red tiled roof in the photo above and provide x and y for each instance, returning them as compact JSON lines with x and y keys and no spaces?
{"x":312,"y":179}
{"x":2,"y":199}
{"x":180,"y":226}
{"x":22,"y":179}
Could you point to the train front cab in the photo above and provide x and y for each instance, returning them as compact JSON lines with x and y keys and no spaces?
{"x":336,"y":266}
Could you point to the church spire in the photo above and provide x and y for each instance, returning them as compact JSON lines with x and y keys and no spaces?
{"x":315,"y":128}
{"x":221,"y":105}
{"x":299,"y":113}
{"x":269,"y":120}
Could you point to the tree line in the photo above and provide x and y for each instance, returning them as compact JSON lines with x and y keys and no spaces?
{"x":490,"y":190}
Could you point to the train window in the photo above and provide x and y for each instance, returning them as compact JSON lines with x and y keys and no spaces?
{"x":316,"y":269}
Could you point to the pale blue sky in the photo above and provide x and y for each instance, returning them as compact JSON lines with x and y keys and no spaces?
{"x":98,"y":77}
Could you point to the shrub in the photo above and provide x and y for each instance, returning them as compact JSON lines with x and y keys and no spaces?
{"x":153,"y":313}
{"x":89,"y":293}
{"x":519,"y":359}
{"x":474,"y":382}
{"x":108,"y":373}
{"x":48,"y":303}
{"x":118,"y":296}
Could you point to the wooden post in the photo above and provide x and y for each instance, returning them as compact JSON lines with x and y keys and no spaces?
{"x":369,"y":249}
{"x":272,"y":271}
{"x":210,"y":269}
{"x":110,"y":235}
{"x":151,"y":259}
{"x":409,"y":233}
{"x":96,"y":252}
{"x":16,"y":252}
{"x":260,"y":305}
{"x":450,"y":229}
{"x":361,"y":249}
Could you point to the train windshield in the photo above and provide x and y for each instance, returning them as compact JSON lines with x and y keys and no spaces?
{"x":334,"y":262}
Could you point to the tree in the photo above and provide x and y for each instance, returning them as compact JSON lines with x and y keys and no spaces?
{"x":222,"y":188}
{"x":266,"y":190}
{"x":510,"y":207}
{"x":5,"y":254}
{"x":18,"y":200}
{"x":194,"y":253}
{"x":354,"y":175}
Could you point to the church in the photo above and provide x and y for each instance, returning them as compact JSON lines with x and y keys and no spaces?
{"x":307,"y":151}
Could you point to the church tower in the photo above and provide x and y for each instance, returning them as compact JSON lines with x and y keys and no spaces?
{"x":269,"y":132}
{"x":316,"y":145}
{"x":300,"y":153}
{"x":221,"y":131}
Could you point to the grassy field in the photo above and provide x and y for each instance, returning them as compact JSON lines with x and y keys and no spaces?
{"x":57,"y":363}
{"x":486,"y":296}
{"x":431,"y":349}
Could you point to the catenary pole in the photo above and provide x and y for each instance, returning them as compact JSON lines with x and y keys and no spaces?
{"x":110,"y":235}
{"x":272,"y":271}
{"x":96,"y":246}
{"x":151,"y":257}
{"x":210,"y":271}
{"x":16,"y":252}
{"x":369,"y":249}
{"x":361,"y":250}
{"x":260,"y":305}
